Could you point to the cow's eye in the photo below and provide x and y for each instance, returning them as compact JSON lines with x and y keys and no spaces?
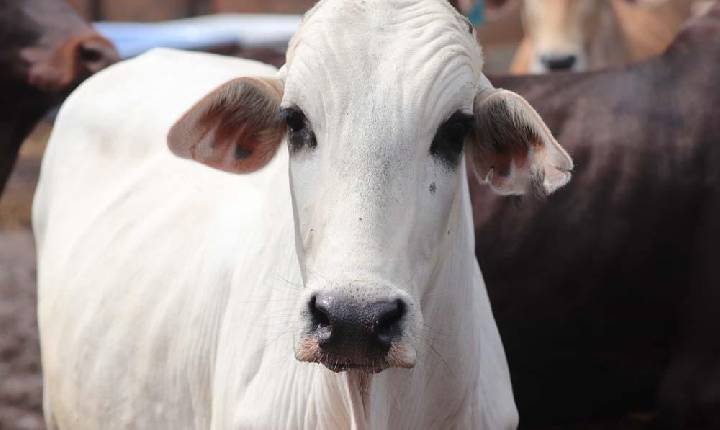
{"x":299,"y":133}
{"x":450,"y":137}
{"x":295,"y":119}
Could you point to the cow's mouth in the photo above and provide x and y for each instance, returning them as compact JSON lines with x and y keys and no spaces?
{"x":398,"y":355}
{"x":340,"y":364}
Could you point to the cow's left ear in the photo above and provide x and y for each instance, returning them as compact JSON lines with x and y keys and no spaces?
{"x":236,"y":128}
{"x":512,"y":149}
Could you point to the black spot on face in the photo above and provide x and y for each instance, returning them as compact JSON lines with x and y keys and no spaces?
{"x":433,"y":188}
{"x":300,"y":135}
{"x":448,"y":143}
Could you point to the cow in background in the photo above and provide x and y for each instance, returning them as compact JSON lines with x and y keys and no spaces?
{"x":607,"y":294}
{"x":46,"y":50}
{"x":588,"y":34}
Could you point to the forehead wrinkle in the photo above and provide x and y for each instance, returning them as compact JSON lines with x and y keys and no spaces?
{"x":410,"y":54}
{"x":319,"y":79}
{"x":445,"y":81}
{"x":452,"y":93}
{"x":400,"y":26}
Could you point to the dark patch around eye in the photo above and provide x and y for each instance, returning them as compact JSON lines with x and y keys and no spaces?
{"x":300,"y":135}
{"x":448,"y":143}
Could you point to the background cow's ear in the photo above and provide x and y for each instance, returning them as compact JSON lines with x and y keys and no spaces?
{"x":55,"y":69}
{"x":236,"y":128}
{"x":513,"y":150}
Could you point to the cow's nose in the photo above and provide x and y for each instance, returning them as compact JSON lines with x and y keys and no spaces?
{"x":60,"y":68}
{"x":94,"y":53}
{"x":353,"y":329}
{"x":557,"y":62}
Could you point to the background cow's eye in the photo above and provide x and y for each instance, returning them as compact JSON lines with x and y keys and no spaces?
{"x":299,"y":133}
{"x":448,"y":142}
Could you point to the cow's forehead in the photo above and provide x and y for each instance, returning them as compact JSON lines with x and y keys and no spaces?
{"x":413,"y":52}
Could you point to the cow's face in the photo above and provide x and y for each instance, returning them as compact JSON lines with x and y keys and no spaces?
{"x":379,"y":102}
{"x":48,"y":47}
{"x":560,"y":32}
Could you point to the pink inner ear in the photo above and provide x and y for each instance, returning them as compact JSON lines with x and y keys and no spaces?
{"x":243,"y":152}
{"x":502,"y":163}
{"x":239,"y":154}
{"x":234,"y":128}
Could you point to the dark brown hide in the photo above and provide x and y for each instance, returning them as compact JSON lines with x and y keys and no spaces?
{"x":607,"y":294}
{"x":46,"y":49}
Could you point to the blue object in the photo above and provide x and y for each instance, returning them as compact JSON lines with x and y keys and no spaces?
{"x":201,"y":33}
{"x":476,"y":15}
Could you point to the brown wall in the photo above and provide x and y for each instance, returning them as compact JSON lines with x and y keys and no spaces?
{"x":158,"y":10}
{"x":82,"y":6}
{"x":141,"y":10}
{"x":265,"y":6}
{"x":497,"y":36}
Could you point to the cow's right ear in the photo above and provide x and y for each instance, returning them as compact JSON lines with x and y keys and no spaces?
{"x":236,"y":128}
{"x":512,"y":148}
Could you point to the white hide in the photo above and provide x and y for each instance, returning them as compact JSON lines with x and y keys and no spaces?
{"x":168,"y":291}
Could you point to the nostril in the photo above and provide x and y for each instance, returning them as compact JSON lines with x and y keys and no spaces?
{"x":90,"y":54}
{"x":559,"y":62}
{"x":388,"y":325}
{"x":318,"y":313}
{"x":392,"y":316}
{"x":95,"y":54}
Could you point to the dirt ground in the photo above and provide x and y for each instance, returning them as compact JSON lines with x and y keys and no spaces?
{"x":20,"y":382}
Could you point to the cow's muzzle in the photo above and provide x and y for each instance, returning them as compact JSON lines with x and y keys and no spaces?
{"x":345,"y":332}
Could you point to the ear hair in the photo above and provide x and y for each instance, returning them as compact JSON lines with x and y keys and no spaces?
{"x":513,"y":149}
{"x":236,"y":128}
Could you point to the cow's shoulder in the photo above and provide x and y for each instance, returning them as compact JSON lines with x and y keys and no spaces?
{"x":158,"y":85}
{"x":109,"y":140}
{"x":125,"y":112}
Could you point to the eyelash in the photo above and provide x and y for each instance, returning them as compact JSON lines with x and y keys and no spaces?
{"x":450,"y":137}
{"x":299,"y":133}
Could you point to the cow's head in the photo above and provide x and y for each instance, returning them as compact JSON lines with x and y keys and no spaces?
{"x":378,"y":104}
{"x":561,"y":31}
{"x":48,"y":47}
{"x":564,"y":34}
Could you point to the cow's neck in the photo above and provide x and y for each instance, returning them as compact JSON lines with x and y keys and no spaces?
{"x":696,"y":46}
{"x":20,"y":111}
{"x":12,"y":133}
{"x":609,"y":46}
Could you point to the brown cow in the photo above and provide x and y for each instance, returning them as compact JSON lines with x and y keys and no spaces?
{"x":46,"y":49}
{"x":607,"y":294}
{"x":589,"y":34}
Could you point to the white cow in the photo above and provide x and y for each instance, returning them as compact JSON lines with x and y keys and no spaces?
{"x":333,"y":285}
